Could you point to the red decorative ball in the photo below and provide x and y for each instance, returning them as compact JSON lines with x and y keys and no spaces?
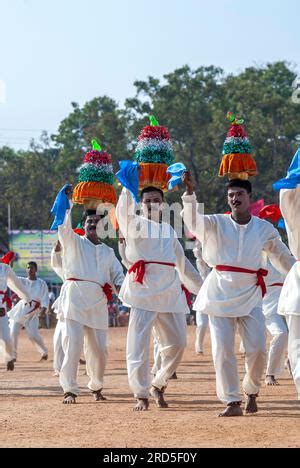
{"x":237,"y":131}
{"x":97,"y":157}
{"x":159,"y":132}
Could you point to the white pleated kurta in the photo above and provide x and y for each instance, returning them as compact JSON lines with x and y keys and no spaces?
{"x":289,"y":303}
{"x":85,"y":301}
{"x":225,"y":242}
{"x":150,"y":241}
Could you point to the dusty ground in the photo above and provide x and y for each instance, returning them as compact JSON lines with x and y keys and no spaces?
{"x":32,"y":415}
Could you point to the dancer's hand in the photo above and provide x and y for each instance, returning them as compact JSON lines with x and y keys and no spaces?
{"x":57,"y":247}
{"x":69,"y":191}
{"x":187,"y":180}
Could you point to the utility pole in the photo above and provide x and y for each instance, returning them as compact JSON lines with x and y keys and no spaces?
{"x":9,"y":223}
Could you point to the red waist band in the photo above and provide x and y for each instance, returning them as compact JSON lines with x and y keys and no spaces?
{"x":107,"y":289}
{"x":261,"y":273}
{"x":275,"y":284}
{"x":139,"y":269}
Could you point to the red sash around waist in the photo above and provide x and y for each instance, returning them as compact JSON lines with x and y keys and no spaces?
{"x":107,"y":289}
{"x":261,"y":273}
{"x":139,"y":269}
{"x":275,"y":284}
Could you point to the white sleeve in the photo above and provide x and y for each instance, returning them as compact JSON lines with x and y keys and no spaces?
{"x":126,"y":214}
{"x":18,"y":285}
{"x":202,"y":267}
{"x":188,"y":275}
{"x":122,"y":252}
{"x":116,"y":272}
{"x":197,"y":223}
{"x":56,"y":263}
{"x":66,"y":235}
{"x":278,"y":253}
{"x":44,"y":295}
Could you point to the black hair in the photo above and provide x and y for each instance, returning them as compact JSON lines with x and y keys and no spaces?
{"x":33,"y":264}
{"x":151,"y":189}
{"x":245,"y":184}
{"x":87,"y":213}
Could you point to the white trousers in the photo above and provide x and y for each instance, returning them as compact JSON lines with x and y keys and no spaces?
{"x":74,"y":333}
{"x":170,"y":330}
{"x":202,"y":326}
{"x":278,"y":329}
{"x":294,"y":349}
{"x":252,"y":331}
{"x":5,"y":337}
{"x":32,"y":329}
{"x":58,"y":352}
{"x":156,"y":355}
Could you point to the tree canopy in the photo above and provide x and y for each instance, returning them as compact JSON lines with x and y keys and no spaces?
{"x":193,"y":105}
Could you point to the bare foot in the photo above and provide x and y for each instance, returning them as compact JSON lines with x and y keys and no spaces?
{"x":174,"y":376}
{"x":69,"y":398}
{"x":10,"y":365}
{"x":44,"y":357}
{"x":98,"y":395}
{"x":251,"y":406}
{"x":199,"y":353}
{"x":232,"y":410}
{"x":271,"y":381}
{"x":142,"y":404}
{"x":158,"y":396}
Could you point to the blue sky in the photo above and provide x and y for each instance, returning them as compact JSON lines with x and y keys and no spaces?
{"x":53,"y":52}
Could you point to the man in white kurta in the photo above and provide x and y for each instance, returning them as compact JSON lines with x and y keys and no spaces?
{"x":289,"y":303}
{"x":89,"y":267}
{"x":9,"y":279}
{"x":232,"y":293}
{"x":38,"y":290}
{"x":152,"y":288}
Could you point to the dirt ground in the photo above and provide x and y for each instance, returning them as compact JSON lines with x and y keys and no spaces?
{"x":32,"y":414}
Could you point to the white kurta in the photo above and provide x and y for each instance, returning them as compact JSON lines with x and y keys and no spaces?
{"x":85,"y":301}
{"x":225,"y":242}
{"x":150,"y":241}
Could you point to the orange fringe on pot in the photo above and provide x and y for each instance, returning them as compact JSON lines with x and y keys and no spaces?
{"x":90,"y":194}
{"x":154,"y":175}
{"x":238,"y":166}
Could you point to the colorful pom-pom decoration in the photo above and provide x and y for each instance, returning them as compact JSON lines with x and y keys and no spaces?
{"x":95,"y":179}
{"x":154,"y":153}
{"x":237,"y":161}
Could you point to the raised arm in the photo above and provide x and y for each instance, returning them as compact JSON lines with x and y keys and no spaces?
{"x":18,"y":285}
{"x":126,"y":213}
{"x":56,"y":260}
{"x":197,"y":223}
